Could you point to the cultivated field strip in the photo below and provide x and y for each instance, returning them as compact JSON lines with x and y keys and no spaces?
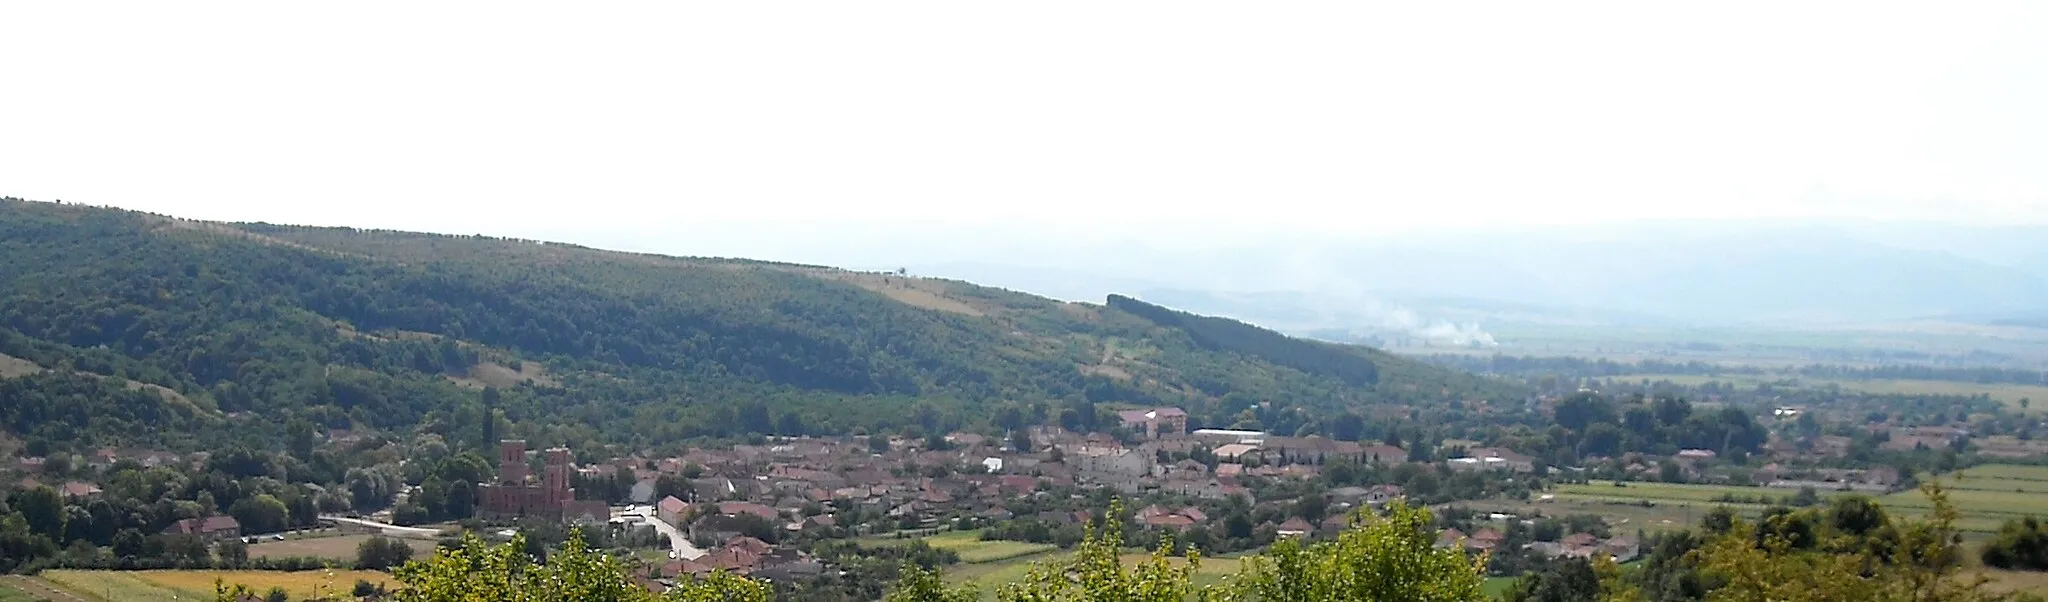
{"x":1985,"y":496}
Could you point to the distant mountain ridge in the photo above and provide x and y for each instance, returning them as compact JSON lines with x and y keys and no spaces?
{"x":1712,"y":274}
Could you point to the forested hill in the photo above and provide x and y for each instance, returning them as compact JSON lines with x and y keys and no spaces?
{"x":130,"y":328}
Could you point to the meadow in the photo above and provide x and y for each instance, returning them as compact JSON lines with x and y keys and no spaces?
{"x":987,"y":577}
{"x":1668,"y":492}
{"x":1496,"y":587}
{"x":302,"y":585}
{"x":971,"y":548}
{"x":1754,"y":347}
{"x":1988,"y":476}
{"x":340,"y":548}
{"x":2004,"y":581}
{"x":1985,"y":496}
{"x":8,"y":593}
{"x":1626,"y":516}
{"x":2004,"y":393}
{"x":113,"y":586}
{"x":166,"y":586}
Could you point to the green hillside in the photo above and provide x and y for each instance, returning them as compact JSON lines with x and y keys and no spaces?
{"x":125,"y":327}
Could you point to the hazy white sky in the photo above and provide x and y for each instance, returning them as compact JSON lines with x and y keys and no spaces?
{"x":554,"y":119}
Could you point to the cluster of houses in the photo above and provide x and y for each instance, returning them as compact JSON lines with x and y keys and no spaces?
{"x":802,"y":485}
{"x":799,"y":485}
{"x":209,"y":528}
{"x":1576,"y":545}
{"x":977,"y":474}
{"x":739,"y":554}
{"x":1493,"y":458}
{"x":1897,"y":438}
{"x":32,"y":469}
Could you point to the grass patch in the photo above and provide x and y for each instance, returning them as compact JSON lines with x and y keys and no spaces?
{"x":988,"y":577}
{"x":340,"y":548}
{"x":9,"y":594}
{"x":1496,"y":587}
{"x":971,"y":548}
{"x":2000,"y":472}
{"x":2008,"y":394}
{"x":2004,"y":581}
{"x":303,"y":585}
{"x":23,"y":588}
{"x":167,"y":586}
{"x":11,"y":366}
{"x":1623,"y":516}
{"x":1672,"y":492}
{"x":1986,"y":497}
{"x":1002,"y":550}
{"x":115,"y":586}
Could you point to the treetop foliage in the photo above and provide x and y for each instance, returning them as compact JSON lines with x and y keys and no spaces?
{"x":2020,"y":544}
{"x":1097,"y":573}
{"x":1389,"y":557}
{"x":1848,"y":551}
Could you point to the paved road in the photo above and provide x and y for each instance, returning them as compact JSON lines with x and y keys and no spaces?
{"x":679,"y":546}
{"x":388,"y":529}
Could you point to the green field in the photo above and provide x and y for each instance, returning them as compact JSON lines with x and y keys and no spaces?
{"x":1971,"y":478}
{"x":971,"y":548}
{"x":1985,"y":496}
{"x":1498,"y":586}
{"x":1668,"y":492}
{"x":2008,"y":394}
{"x":2015,"y":581}
{"x":1625,"y":516}
{"x":112,"y":586}
{"x":166,"y":586}
{"x":987,"y":577}
{"x":333,"y":547}
{"x":1750,"y":346}
{"x":9,"y":594}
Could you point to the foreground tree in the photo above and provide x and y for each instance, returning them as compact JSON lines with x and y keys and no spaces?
{"x":720,"y":587}
{"x":1863,"y":557}
{"x":506,"y":572}
{"x":381,"y":553}
{"x":476,"y":572}
{"x":2021,"y":544}
{"x":1096,"y":573}
{"x":1391,"y":557}
{"x":915,"y":584}
{"x":1563,"y":581}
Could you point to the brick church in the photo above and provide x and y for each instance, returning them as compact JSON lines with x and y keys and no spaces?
{"x":517,"y":494}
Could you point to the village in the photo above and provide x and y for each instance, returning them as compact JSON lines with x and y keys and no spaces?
{"x":757,"y":509}
{"x":745,"y":499}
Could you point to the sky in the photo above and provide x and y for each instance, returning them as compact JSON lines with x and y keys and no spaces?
{"x":789,"y":129}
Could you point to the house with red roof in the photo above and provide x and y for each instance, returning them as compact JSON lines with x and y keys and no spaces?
{"x":212,"y":527}
{"x":735,"y":508}
{"x":671,"y":510}
{"x":1156,"y":422}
